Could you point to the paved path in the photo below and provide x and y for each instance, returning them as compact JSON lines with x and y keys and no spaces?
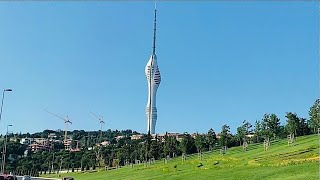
{"x":37,"y":178}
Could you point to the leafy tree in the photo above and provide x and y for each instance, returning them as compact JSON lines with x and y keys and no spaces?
{"x":314,"y":116}
{"x":187,"y":144}
{"x":170,"y":146}
{"x":200,"y":142}
{"x":225,"y":136}
{"x":211,"y":138}
{"x":292,"y":122}
{"x":155,"y":148}
{"x":242,"y":131}
{"x":148,"y":146}
{"x":265,"y":126}
{"x":166,"y":146}
{"x":270,"y":126}
{"x":303,"y":128}
{"x":274,"y":125}
{"x":241,"y":134}
{"x":258,"y":131}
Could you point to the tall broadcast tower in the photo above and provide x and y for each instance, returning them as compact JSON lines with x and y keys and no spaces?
{"x":154,"y":79}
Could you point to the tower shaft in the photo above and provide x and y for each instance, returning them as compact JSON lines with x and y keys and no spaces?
{"x":153,"y":76}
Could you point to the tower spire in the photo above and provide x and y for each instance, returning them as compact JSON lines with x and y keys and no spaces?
{"x":154,"y":28}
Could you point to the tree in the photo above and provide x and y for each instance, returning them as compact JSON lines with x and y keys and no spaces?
{"x":314,"y":116}
{"x":258,"y":131}
{"x":187,"y":144}
{"x":199,"y":142}
{"x":211,"y":138}
{"x":292,"y":122}
{"x":265,"y":126}
{"x":166,"y":146}
{"x":170,"y":146}
{"x":155,"y":148}
{"x":241,"y":134}
{"x":225,"y":136}
{"x":274,"y":125}
{"x":242,"y":131}
{"x":148,"y":146}
{"x":270,"y":126}
{"x":303,"y":128}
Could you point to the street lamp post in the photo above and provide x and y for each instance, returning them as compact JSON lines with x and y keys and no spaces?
{"x":5,"y":90}
{"x":5,"y":150}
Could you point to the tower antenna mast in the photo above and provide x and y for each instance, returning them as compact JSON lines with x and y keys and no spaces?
{"x":154,"y":28}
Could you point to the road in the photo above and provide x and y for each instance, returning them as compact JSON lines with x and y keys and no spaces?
{"x":37,"y":178}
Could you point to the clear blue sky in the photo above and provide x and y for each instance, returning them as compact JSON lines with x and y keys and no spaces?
{"x":221,"y":63}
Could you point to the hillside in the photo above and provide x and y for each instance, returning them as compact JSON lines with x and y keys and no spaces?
{"x":297,"y":161}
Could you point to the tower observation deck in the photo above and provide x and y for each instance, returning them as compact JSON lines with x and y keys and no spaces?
{"x":153,"y":77}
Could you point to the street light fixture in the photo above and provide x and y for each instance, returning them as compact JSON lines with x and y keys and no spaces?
{"x":5,"y":90}
{"x":5,"y":150}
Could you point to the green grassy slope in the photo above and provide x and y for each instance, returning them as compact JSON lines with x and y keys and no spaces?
{"x":299,"y":161}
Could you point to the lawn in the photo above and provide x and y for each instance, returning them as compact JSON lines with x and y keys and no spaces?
{"x":297,"y":161}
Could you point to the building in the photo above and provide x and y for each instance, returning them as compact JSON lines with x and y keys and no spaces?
{"x":41,"y":140}
{"x":250,"y":135}
{"x":67,"y":144}
{"x":153,"y":76}
{"x":37,"y":147}
{"x":218,"y":136}
{"x":105,"y":143}
{"x":52,"y":135}
{"x":26,"y":141}
{"x":13,"y":139}
{"x":119,"y":137}
{"x":175,"y":135}
{"x":136,"y":136}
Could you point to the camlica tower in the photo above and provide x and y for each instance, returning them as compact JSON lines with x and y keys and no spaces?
{"x":153,"y":77}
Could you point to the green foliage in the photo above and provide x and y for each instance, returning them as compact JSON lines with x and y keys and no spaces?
{"x":292,"y":122}
{"x":280,"y":162}
{"x":156,"y":149}
{"x":314,"y":116}
{"x":225,"y":136}
{"x":200,"y":142}
{"x":211,"y":139}
{"x":187,"y":144}
{"x":242,"y":131}
{"x":170,"y":146}
{"x":269,"y":127}
{"x":274,"y":125}
{"x":125,"y":149}
{"x":296,"y":125}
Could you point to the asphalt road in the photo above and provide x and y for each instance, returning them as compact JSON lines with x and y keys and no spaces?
{"x":37,"y":178}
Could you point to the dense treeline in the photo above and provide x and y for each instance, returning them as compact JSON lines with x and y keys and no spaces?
{"x":125,"y":150}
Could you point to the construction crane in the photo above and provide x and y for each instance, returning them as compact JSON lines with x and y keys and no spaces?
{"x":101,"y":122}
{"x":66,"y":122}
{"x":98,"y":154}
